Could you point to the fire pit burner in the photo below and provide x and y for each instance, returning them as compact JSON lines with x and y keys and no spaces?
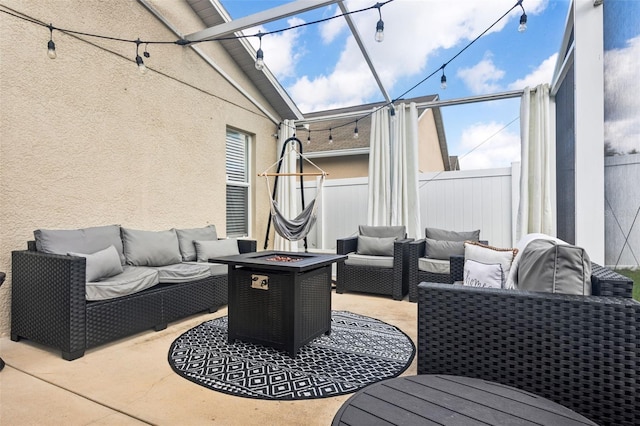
{"x":281,"y":258}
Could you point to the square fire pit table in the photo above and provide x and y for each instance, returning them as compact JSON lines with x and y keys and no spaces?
{"x":279,"y":299}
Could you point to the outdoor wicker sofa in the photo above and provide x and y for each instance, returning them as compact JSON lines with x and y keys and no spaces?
{"x":371,"y":278}
{"x":49,"y":303}
{"x":580,"y":351}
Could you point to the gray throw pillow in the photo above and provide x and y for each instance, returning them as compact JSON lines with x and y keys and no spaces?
{"x":186,"y":238}
{"x":444,"y":235}
{"x":211,"y":249}
{"x":101,"y":264}
{"x":374,"y":246}
{"x":398,"y":232}
{"x":436,"y":249}
{"x":151,"y":248}
{"x":83,"y":240}
{"x":550,"y":267}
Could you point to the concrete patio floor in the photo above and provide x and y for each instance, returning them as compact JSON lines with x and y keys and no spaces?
{"x":130,"y":382}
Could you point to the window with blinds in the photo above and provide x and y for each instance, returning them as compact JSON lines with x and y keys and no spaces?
{"x":237,"y":160}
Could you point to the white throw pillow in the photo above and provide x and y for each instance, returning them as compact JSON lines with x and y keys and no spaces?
{"x":211,"y":249}
{"x":478,"y":274}
{"x":488,"y":254}
{"x":101,"y":264}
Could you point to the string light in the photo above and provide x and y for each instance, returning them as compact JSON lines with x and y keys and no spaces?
{"x":330,"y":137}
{"x":309,"y":137}
{"x":523,"y":18}
{"x":355,"y":131}
{"x":380,"y":25}
{"x":259,"y":54}
{"x":141,"y":67}
{"x":51,"y":46}
{"x":443,"y":80}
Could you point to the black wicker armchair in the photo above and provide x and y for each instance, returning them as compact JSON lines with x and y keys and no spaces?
{"x":580,"y":351}
{"x":385,"y":280}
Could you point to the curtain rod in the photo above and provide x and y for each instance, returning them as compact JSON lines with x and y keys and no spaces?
{"x":430,"y":104}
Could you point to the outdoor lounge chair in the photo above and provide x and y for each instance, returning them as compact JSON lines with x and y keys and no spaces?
{"x":368,"y":267}
{"x":428,"y":259}
{"x":580,"y":351}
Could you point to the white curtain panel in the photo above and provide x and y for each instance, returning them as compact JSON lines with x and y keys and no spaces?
{"x":405,"y":200}
{"x":535,"y":211}
{"x":287,"y":196}
{"x":378,"y":210}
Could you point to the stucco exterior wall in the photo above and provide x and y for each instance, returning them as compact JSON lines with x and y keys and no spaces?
{"x":429,"y":154}
{"x":86,"y":140}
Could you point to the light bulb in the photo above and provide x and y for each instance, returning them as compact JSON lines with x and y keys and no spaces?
{"x":330,"y":137}
{"x":141,"y":67}
{"x":355,"y":134}
{"x":380,"y":31}
{"x":51,"y":49}
{"x":443,"y":82}
{"x":308,"y":139}
{"x":523,"y":23}
{"x":259,"y":60}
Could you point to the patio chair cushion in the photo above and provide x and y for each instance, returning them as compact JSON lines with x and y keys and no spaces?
{"x":101,"y":264}
{"x":444,"y":235}
{"x":365,"y":260}
{"x":443,"y":249}
{"x":551,"y":267}
{"x":133,"y":279}
{"x":209,"y":249}
{"x":490,"y":255}
{"x":151,"y":248}
{"x":479,"y":274}
{"x":512,"y":278}
{"x":182,"y":272}
{"x":83,"y":240}
{"x":398,"y":232}
{"x":435,"y":266}
{"x":186,"y":238}
{"x":375,"y":246}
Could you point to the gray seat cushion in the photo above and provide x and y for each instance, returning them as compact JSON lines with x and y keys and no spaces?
{"x":365,"y":260}
{"x":216,"y":269}
{"x":182,"y":272}
{"x":435,"y":266}
{"x":131,"y":280}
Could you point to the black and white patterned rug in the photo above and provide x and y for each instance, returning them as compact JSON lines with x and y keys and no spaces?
{"x":359,"y":351}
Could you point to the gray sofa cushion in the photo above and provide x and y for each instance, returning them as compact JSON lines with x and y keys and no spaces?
{"x":398,"y":232}
{"x":182,"y":272}
{"x":210,"y":249}
{"x":551,"y":267}
{"x":444,"y":235}
{"x":442,"y":249}
{"x":214,"y":268}
{"x":375,"y":246}
{"x":131,"y":280}
{"x":84,"y":240}
{"x":186,"y":237}
{"x":101,"y":264}
{"x":151,"y":248}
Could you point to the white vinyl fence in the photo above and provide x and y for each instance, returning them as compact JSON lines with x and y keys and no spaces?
{"x":485,"y":200}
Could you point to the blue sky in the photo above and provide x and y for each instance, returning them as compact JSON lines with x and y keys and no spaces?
{"x":321,"y":68}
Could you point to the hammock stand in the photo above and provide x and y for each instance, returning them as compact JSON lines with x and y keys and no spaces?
{"x":308,"y":212}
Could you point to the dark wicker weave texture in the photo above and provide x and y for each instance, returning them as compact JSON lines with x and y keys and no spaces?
{"x":582,"y":352}
{"x":48,"y":303}
{"x":370,"y":279}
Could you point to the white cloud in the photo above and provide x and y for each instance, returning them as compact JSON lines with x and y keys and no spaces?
{"x":330,"y":30}
{"x":281,"y":50}
{"x":622,"y":122}
{"x":414,"y":32}
{"x":542,"y":74}
{"x":501,"y":146}
{"x":482,"y":78}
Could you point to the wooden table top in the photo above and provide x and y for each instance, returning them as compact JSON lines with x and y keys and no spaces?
{"x":450,"y":400}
